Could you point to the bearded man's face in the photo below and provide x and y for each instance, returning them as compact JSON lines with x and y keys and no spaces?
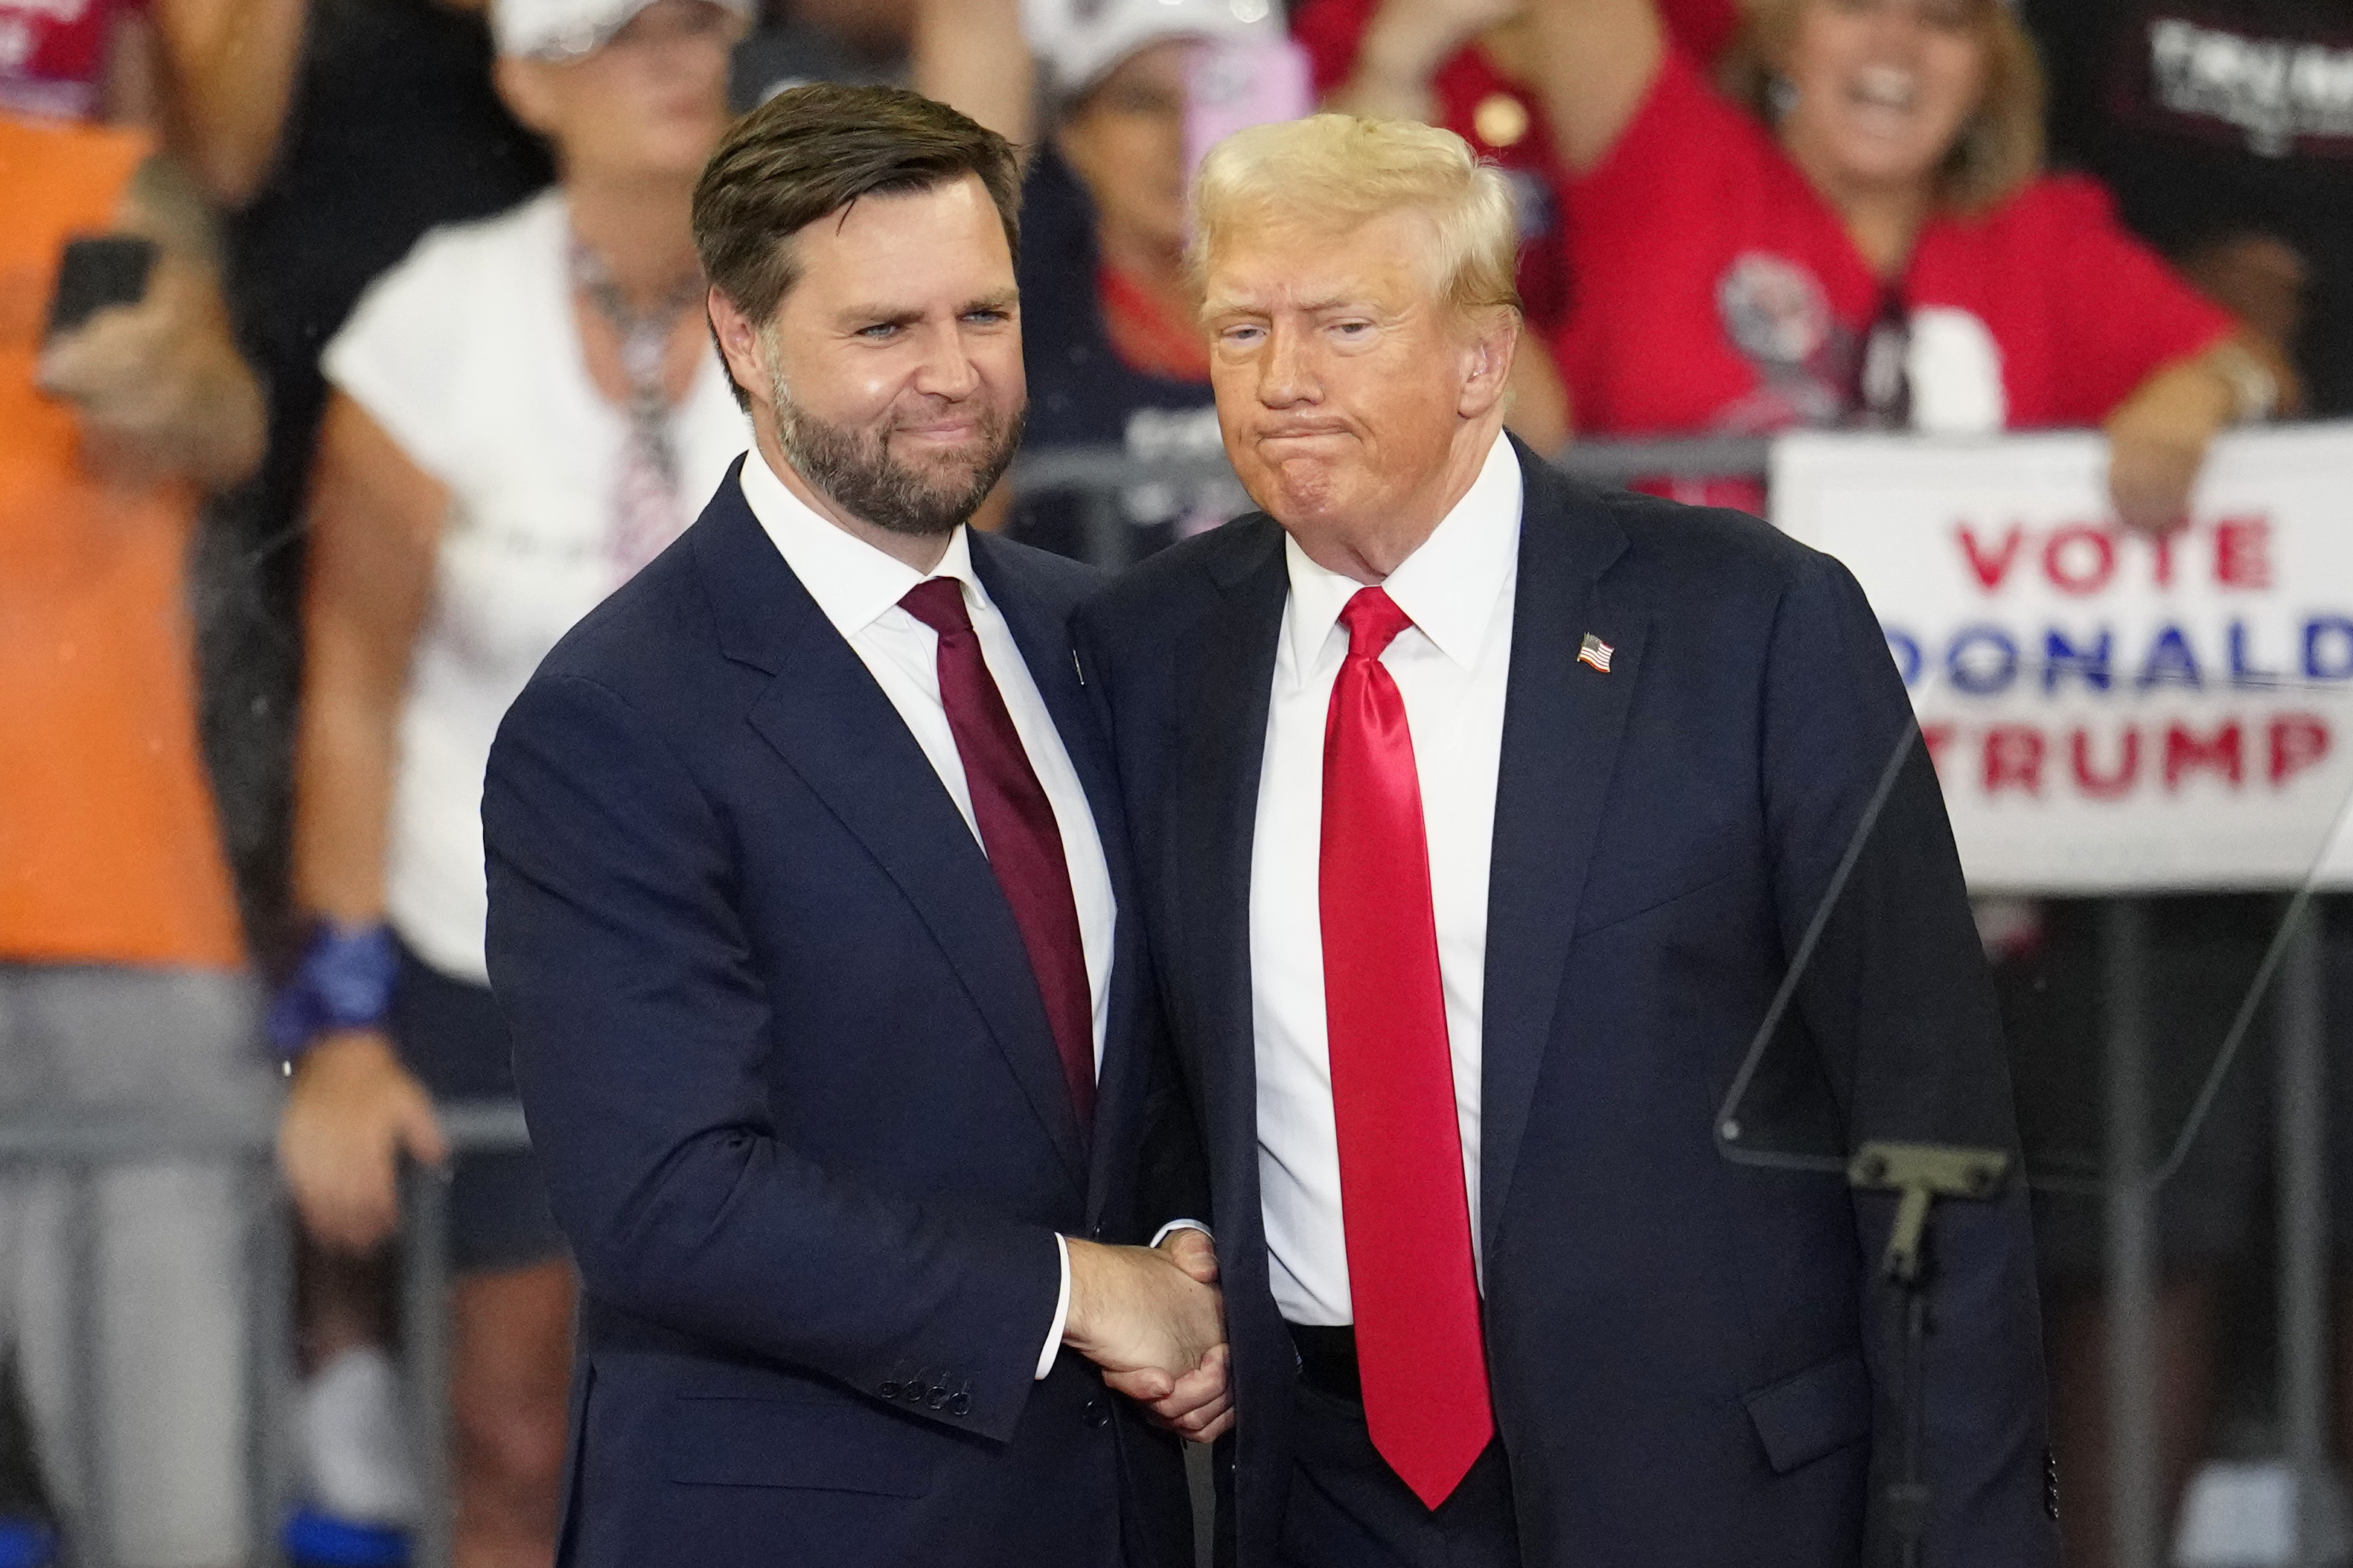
{"x":894,"y":361}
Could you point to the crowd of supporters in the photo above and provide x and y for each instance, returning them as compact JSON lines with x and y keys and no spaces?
{"x":398,"y":364}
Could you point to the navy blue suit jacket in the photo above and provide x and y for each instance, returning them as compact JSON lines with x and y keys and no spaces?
{"x":803,"y":1120}
{"x":1683,"y":1352}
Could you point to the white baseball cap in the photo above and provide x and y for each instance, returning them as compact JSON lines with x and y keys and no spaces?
{"x":1080,"y":41}
{"x":566,"y":29}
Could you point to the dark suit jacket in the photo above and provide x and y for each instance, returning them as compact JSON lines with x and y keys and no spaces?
{"x":802,"y":1117}
{"x":1683,"y":1352}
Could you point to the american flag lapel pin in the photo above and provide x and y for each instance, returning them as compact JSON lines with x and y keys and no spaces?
{"x":1595,"y":653}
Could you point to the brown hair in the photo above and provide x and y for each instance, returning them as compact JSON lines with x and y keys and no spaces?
{"x":815,"y":150}
{"x":1998,"y":152}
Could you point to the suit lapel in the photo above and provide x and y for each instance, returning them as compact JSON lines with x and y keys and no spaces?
{"x":1213,"y":823}
{"x":826,"y":717}
{"x":1041,"y":624}
{"x":1563,"y":723}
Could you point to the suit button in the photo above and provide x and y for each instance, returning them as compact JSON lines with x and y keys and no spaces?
{"x":915,"y":1392}
{"x":938,"y":1397}
{"x":889,"y":1391}
{"x":1098,"y":1413}
{"x":960,"y":1405}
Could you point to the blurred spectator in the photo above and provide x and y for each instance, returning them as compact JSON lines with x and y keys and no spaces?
{"x":1111,"y":329}
{"x":2226,"y":131}
{"x":524,"y":411}
{"x":1858,"y":232}
{"x":364,"y":123}
{"x":1467,"y":65}
{"x":385,"y":125}
{"x":122,"y":983}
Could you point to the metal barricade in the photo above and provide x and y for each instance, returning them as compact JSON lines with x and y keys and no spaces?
{"x":82,"y":1145}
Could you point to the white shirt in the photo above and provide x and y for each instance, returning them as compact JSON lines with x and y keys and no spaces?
{"x":1451,"y":666}
{"x":859,"y":588}
{"x":467,"y":354}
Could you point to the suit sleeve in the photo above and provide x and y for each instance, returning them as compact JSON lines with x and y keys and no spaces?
{"x":1901,"y":1012}
{"x":639,"y":1032}
{"x":1173,"y":1177}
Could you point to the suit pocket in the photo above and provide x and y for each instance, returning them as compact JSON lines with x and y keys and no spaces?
{"x":1812,"y":1413}
{"x":818,"y":1442}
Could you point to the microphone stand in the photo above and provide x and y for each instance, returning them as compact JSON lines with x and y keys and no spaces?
{"x":1919,"y":1173}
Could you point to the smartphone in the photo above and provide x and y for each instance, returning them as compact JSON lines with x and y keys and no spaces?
{"x":97,"y":273}
{"x":1235,"y":82}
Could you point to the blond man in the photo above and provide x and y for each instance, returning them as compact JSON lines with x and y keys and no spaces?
{"x":1479,"y":809}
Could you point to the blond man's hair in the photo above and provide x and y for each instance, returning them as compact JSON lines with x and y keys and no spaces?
{"x":1997,"y":153}
{"x":1328,"y":174}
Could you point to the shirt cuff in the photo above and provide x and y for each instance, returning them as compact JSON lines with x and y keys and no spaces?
{"x":1174,"y":1225}
{"x":1061,"y":1311}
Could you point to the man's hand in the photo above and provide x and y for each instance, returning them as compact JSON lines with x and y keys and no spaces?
{"x":1152,"y":1319}
{"x":1200,"y":1406}
{"x":353,"y":1110}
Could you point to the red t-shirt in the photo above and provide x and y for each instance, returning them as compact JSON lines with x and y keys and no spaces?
{"x":1717,"y":291}
{"x":1499,"y":116}
{"x":53,"y":54}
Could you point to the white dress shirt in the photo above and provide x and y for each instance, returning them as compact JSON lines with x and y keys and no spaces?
{"x":1451,"y":666}
{"x":859,"y":588}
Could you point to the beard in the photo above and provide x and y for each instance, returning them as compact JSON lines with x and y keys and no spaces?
{"x":855,"y":468}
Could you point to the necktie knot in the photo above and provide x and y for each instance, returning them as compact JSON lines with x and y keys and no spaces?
{"x":1373,"y":620}
{"x":938,"y":602}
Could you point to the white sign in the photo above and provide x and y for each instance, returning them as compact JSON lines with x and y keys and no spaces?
{"x":2110,"y":712}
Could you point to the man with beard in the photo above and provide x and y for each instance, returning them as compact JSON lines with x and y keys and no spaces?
{"x":811,"y":916}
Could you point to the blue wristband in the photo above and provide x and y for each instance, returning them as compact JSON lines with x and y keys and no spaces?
{"x":344,"y":982}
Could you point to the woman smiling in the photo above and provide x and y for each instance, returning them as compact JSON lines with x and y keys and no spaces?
{"x":1856,"y":230}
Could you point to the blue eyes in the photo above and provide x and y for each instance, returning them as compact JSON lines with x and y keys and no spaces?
{"x":883,"y":331}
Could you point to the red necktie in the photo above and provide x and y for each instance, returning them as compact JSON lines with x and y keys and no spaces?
{"x":1018,"y":830}
{"x":1405,"y":1212}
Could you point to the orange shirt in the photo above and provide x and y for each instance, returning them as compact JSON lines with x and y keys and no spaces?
{"x":110,"y":851}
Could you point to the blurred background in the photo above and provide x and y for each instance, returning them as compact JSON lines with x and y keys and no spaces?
{"x":350,"y":350}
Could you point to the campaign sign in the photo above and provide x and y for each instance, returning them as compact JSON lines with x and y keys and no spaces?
{"x":2110,"y":712}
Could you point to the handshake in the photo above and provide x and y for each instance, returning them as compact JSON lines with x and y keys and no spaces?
{"x":1152,"y":1318}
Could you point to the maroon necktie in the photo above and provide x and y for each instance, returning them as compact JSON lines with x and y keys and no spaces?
{"x":1403,"y":1206}
{"x":1018,"y":830}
